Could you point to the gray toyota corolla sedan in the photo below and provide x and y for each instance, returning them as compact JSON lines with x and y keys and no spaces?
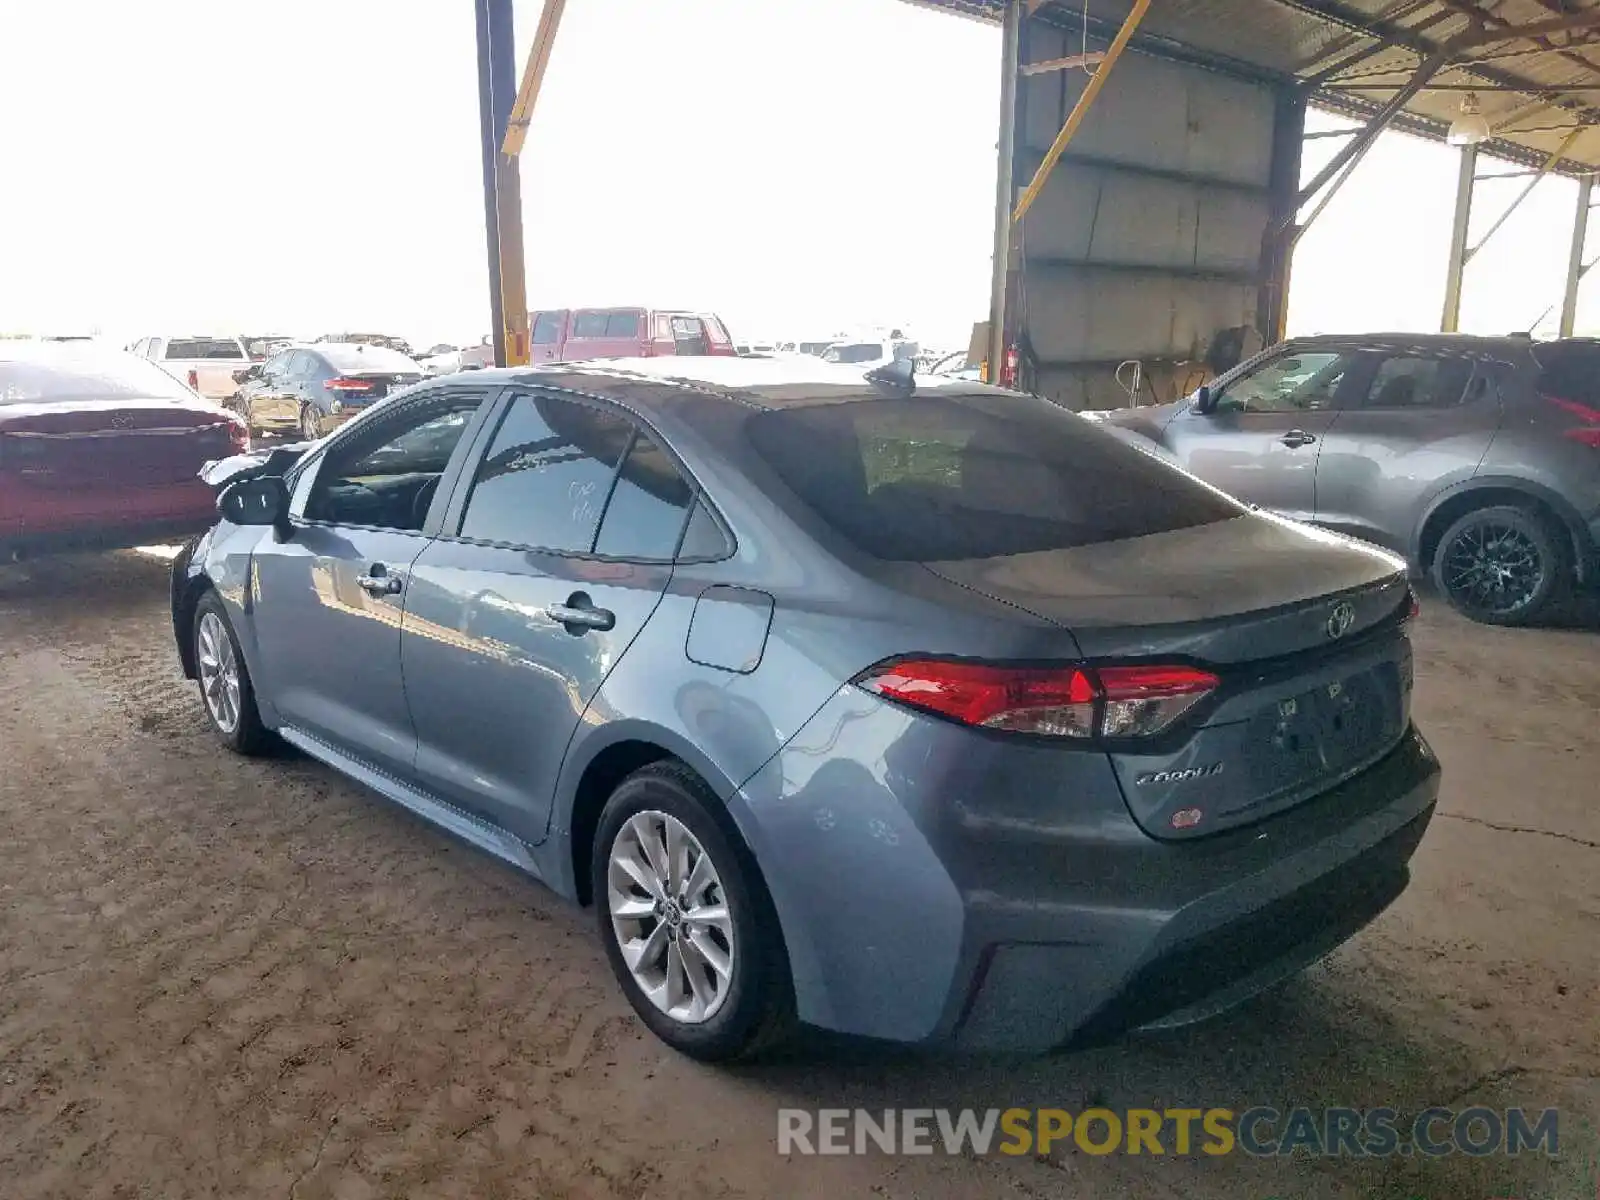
{"x":917,"y":710}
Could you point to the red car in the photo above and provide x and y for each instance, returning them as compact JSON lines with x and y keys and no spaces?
{"x":100,"y":449}
{"x":575,"y":334}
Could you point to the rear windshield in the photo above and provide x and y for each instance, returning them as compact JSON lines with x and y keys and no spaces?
{"x":205,"y":348}
{"x":930,"y":479}
{"x":857,"y":352}
{"x":69,"y":375}
{"x":355,"y":357}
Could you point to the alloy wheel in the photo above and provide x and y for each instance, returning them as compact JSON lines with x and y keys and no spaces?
{"x":219,"y":672}
{"x":670,"y":916}
{"x":1493,"y":568}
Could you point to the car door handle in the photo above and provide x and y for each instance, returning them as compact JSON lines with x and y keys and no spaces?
{"x":581,"y":615}
{"x":378,"y":582}
{"x":1297,"y":437}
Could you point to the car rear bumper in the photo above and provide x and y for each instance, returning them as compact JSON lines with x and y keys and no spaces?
{"x":997,"y":922}
{"x":149,"y":532}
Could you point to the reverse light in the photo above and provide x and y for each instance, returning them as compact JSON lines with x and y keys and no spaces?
{"x":1072,"y":702}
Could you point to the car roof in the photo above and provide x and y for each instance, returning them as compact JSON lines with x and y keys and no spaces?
{"x":1459,"y":343}
{"x":758,"y":383}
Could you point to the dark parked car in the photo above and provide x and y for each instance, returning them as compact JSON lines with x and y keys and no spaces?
{"x":1477,"y":458}
{"x":940,"y":716}
{"x":313,"y":389}
{"x":100,"y":449}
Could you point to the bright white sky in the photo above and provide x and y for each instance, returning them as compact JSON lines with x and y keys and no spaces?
{"x":307,"y":166}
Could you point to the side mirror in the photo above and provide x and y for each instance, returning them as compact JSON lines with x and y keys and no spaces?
{"x":1205,"y":400}
{"x":263,"y":500}
{"x":247,"y":373}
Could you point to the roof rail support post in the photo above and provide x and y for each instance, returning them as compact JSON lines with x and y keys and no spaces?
{"x":1580,"y":230}
{"x":1468,"y":176}
{"x":1000,"y":274}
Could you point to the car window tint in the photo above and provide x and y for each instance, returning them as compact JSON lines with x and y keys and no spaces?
{"x":1297,"y":382}
{"x":622,"y":325}
{"x":546,"y":476}
{"x":854,"y":352}
{"x":223,"y":348}
{"x":648,"y":505}
{"x":589,"y":325}
{"x":387,"y":475}
{"x":1570,"y":371}
{"x":547,"y":329}
{"x":704,"y":537}
{"x":1402,"y":382}
{"x":928,"y":478}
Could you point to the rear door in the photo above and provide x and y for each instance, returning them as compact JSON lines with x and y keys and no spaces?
{"x":1261,"y":440}
{"x":548,"y":331}
{"x":556,"y":560}
{"x":1417,"y":424}
{"x":327,"y":602}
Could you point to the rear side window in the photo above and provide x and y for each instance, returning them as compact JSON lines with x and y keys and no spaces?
{"x":649,"y":504}
{"x":606,"y":324}
{"x":1406,"y":383}
{"x":222,"y":348}
{"x":546,"y":476}
{"x":928,"y":479}
{"x":547,"y":329}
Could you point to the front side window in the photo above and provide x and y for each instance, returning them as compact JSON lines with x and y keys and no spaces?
{"x":546,"y":476}
{"x":386,"y":475}
{"x":1405,"y":383}
{"x":1291,"y":383}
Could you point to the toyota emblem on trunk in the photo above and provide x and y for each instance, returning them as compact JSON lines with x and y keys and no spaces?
{"x":1341,"y":618}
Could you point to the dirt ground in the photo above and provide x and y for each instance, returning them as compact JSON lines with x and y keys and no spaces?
{"x":239,"y":979}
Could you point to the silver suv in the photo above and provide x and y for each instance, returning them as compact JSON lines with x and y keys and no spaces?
{"x":1478,"y":458}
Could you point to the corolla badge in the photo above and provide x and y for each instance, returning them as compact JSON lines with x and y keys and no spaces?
{"x":1184,"y":776}
{"x":1341,"y":618}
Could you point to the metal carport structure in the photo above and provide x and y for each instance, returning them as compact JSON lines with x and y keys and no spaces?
{"x":1171,"y":211}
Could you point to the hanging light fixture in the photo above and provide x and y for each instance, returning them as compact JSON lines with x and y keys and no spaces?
{"x":1471,"y":127}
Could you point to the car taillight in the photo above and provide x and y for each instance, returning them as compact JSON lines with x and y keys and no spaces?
{"x":1413,"y":605}
{"x":194,"y":380}
{"x":1587,"y":433}
{"x":239,"y":436}
{"x":1070,"y":702}
{"x":348,"y":385}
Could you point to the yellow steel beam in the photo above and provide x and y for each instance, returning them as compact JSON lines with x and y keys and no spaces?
{"x":1081,"y":109}
{"x":544,"y":40}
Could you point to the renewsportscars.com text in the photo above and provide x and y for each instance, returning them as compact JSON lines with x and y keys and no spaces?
{"x":1260,"y":1131}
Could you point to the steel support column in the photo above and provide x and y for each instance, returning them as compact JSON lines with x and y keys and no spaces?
{"x":497,"y":91}
{"x":1580,"y":231}
{"x":1000,"y":277}
{"x":1277,"y":250}
{"x":1466,"y":177}
{"x":489,"y":153}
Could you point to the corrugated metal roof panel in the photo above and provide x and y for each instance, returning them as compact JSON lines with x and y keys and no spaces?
{"x":1534,"y":92}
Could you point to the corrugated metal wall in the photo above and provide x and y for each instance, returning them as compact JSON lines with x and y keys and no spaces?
{"x":1148,"y":238}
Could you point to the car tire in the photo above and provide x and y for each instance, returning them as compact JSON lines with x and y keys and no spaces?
{"x":226,"y":692}
{"x":662,"y":930}
{"x":1503,"y":565}
{"x":310,"y":422}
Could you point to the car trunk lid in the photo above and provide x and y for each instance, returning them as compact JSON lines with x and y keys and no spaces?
{"x":353,"y":389}
{"x":1303,"y":630}
{"x":111,"y":445}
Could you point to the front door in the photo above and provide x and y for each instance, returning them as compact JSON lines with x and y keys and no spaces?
{"x":330,"y":598}
{"x":513,"y":624}
{"x":1261,"y":438}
